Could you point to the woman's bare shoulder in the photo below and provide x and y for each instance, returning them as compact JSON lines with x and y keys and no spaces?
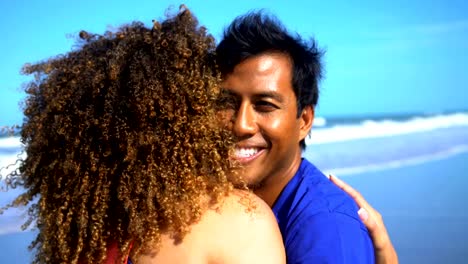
{"x":248,"y":227}
{"x":243,"y":203}
{"x":241,"y":228}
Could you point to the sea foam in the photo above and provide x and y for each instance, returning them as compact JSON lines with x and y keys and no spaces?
{"x":368,"y":128}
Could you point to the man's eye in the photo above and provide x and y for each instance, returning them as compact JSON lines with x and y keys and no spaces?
{"x":264,"y":106}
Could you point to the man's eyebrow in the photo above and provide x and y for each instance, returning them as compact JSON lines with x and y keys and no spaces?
{"x":273,"y":95}
{"x":267,"y":94}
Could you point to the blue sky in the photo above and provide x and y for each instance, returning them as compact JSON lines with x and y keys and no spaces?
{"x":382,"y":57}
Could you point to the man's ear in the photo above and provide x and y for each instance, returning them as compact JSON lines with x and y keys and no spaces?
{"x":306,"y":120}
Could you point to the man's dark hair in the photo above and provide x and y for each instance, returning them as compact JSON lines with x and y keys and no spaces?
{"x":257,"y":33}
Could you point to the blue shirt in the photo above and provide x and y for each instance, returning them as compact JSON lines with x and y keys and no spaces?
{"x":319,"y":222}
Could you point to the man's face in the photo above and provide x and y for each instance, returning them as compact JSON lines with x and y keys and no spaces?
{"x":259,"y":105}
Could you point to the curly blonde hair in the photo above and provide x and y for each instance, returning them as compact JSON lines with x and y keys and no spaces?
{"x":122,"y":140}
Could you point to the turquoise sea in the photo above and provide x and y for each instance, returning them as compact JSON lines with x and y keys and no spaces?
{"x":413,"y":169}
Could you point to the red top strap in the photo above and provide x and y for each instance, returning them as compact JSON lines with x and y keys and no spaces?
{"x":113,"y":254}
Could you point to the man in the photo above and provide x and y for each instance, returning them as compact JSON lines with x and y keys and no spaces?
{"x":270,"y":82}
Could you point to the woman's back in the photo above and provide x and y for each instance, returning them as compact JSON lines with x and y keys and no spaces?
{"x":240,"y":230}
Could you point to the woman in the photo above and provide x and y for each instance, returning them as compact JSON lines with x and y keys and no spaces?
{"x":127,"y":158}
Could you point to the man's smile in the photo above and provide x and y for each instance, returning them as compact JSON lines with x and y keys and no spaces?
{"x":247,"y":154}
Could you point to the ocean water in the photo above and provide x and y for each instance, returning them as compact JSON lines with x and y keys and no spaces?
{"x":361,"y":145}
{"x":424,"y":207}
{"x":412,"y":168}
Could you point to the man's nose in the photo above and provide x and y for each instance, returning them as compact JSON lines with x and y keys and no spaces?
{"x":244,"y":122}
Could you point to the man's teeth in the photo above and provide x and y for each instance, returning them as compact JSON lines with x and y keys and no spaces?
{"x":246,"y":152}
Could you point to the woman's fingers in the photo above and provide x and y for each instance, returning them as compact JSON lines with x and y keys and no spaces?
{"x":350,"y":190}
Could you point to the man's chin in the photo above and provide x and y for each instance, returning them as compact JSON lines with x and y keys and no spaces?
{"x":253,"y":182}
{"x":247,"y":176}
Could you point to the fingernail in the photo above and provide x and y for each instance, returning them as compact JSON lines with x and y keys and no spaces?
{"x":363,"y":214}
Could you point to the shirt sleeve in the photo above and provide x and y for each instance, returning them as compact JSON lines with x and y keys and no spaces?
{"x":328,"y":237}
